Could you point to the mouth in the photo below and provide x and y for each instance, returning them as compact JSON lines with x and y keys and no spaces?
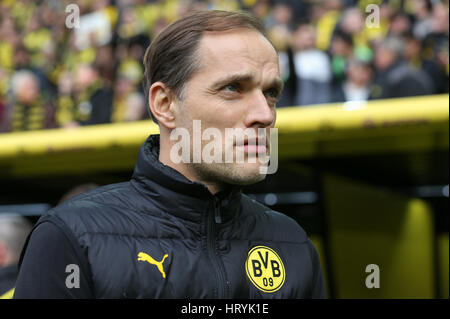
{"x":256,"y":145}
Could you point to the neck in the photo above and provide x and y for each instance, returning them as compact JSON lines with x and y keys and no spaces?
{"x":186,"y":169}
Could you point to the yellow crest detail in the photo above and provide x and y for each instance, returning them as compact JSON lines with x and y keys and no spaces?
{"x":159,"y":264}
{"x":265,"y":269}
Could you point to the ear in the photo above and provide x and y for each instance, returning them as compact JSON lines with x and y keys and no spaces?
{"x":160,"y":101}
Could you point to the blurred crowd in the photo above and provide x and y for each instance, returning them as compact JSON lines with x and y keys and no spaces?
{"x":14,"y":230}
{"x":57,"y":71}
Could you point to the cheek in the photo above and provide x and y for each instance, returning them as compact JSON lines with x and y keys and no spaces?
{"x":211,"y":109}
{"x":215,"y":113}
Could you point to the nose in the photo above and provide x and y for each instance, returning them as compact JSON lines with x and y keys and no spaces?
{"x":259,"y":112}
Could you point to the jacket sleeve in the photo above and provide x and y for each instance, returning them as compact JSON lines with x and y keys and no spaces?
{"x":318,"y":290}
{"x":52,"y":266}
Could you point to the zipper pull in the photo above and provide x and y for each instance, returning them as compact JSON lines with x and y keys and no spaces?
{"x":217,"y":215}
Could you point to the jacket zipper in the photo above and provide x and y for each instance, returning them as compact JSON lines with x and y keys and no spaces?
{"x":217,"y":213}
{"x":211,"y":247}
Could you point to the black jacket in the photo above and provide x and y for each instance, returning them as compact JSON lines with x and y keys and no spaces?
{"x":400,"y":80}
{"x":163,"y":236}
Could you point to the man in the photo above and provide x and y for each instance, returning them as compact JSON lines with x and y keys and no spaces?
{"x":394,"y":77}
{"x":183,"y":229}
{"x":14,"y":230}
{"x":29,"y":109}
{"x":356,"y":86}
{"x":312,"y":68}
{"x":86,"y":101}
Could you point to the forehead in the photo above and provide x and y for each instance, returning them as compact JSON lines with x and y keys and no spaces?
{"x":241,"y":50}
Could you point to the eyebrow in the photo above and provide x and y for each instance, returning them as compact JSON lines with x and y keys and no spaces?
{"x":276,"y":83}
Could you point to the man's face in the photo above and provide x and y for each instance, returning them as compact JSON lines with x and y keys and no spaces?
{"x":236,"y":87}
{"x":28,"y":91}
{"x":384,"y":57}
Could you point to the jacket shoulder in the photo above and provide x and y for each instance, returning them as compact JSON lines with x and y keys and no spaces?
{"x":271,"y":224}
{"x":84,"y":212}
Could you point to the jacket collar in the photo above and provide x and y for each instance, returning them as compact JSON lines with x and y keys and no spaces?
{"x":173,"y":192}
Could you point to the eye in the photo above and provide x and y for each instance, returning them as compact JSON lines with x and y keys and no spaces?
{"x":233,"y":87}
{"x":271,"y":93}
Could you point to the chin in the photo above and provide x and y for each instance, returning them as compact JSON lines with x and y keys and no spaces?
{"x":244,"y":174}
{"x":232,"y":174}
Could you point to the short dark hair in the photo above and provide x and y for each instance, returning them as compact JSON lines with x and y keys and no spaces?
{"x":171,"y":56}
